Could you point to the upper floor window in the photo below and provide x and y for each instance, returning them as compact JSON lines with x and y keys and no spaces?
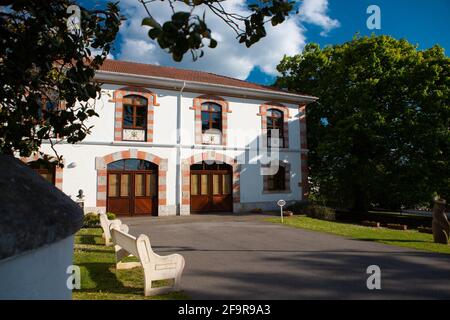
{"x":134,"y":118}
{"x":134,"y":112}
{"x":211,"y":116}
{"x":275,"y":121}
{"x":49,"y":106}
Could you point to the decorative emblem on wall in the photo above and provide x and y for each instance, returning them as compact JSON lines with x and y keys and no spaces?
{"x":133,"y":134}
{"x":212,"y":136}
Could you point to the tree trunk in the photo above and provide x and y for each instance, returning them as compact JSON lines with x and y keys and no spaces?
{"x":440,"y":224}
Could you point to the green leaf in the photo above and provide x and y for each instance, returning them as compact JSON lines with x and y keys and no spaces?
{"x":154,"y":33}
{"x":212,"y":43}
{"x":149,"y":21}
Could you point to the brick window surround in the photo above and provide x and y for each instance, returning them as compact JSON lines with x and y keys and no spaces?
{"x":263,"y":113}
{"x":118,"y":114}
{"x":58,"y":169}
{"x":101,"y":164}
{"x":208,"y":156}
{"x":304,"y":151}
{"x":197,"y":107}
{"x":287,"y":179}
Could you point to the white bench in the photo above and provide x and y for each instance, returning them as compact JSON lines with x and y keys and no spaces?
{"x":105,"y":223}
{"x":155,"y":267}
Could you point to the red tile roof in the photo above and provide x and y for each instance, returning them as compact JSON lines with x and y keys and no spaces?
{"x":180,"y":74}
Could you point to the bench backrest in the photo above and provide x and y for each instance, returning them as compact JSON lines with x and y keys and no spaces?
{"x":125,"y":241}
{"x":104,"y":222}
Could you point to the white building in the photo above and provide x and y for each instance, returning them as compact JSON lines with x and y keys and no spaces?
{"x":152,"y":148}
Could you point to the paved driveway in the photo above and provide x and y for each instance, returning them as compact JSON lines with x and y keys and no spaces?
{"x":242,"y":257}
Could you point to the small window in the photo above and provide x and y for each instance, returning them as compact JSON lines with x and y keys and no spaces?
{"x":277,"y":182}
{"x":113,"y":185}
{"x":152,"y":185}
{"x":226,"y":183}
{"x":275,"y":121}
{"x":211,"y":116}
{"x":49,"y":103}
{"x":194,"y":185}
{"x":134,"y":112}
{"x":124,"y":185}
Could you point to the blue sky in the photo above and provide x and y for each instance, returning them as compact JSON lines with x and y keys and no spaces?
{"x":322,"y":21}
{"x":424,"y":23}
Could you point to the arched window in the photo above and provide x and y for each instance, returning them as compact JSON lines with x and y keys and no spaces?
{"x":132,"y":165}
{"x":211,"y":116}
{"x":134,"y":112}
{"x":275,"y":121}
{"x":45,"y":170}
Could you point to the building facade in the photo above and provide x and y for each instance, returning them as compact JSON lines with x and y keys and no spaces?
{"x":175,"y":142}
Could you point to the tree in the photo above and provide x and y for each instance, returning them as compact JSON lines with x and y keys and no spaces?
{"x":42,"y":64}
{"x":379,"y":135}
{"x":188,"y":31}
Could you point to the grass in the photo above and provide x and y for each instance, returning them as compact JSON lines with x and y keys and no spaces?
{"x":99,"y":278}
{"x":408,"y":239}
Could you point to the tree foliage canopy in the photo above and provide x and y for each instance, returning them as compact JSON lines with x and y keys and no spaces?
{"x":379,"y":135}
{"x":42,"y":63}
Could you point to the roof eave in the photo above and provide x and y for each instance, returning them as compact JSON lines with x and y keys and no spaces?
{"x":118,"y":77}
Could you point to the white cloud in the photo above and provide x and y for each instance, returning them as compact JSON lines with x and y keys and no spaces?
{"x":138,"y":50}
{"x":229,"y":58}
{"x":315,"y":12}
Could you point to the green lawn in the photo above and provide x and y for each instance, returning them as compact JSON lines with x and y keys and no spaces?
{"x":409,"y":239}
{"x":99,"y":277}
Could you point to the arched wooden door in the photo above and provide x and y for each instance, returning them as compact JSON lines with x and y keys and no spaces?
{"x":132,"y":187}
{"x":211,"y":188}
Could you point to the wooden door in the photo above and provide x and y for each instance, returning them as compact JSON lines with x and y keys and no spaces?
{"x":130,"y":191}
{"x":118,"y":194}
{"x":145,"y":199}
{"x":211,"y":189}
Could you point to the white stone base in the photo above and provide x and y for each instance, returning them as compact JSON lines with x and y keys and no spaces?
{"x":185,"y":210}
{"x":168,"y":210}
{"x":39,"y":274}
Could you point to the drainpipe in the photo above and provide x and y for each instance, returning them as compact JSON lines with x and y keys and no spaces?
{"x":178,"y":191}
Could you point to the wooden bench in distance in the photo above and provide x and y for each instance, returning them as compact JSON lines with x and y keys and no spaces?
{"x":155,"y":267}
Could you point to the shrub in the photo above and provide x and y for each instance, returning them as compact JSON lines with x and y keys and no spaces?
{"x":91,"y":220}
{"x":110,"y":215}
{"x":298,"y":207}
{"x":320,"y":212}
{"x":312,"y":210}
